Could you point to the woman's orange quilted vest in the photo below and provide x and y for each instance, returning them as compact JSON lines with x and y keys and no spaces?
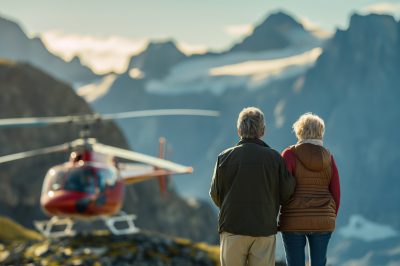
{"x":311,"y":208}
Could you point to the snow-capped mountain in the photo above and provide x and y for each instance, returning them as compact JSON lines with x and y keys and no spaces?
{"x":227,"y":81}
{"x":279,"y":30}
{"x":352,"y":81}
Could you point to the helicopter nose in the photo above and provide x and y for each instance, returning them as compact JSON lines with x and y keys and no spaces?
{"x":62,"y":202}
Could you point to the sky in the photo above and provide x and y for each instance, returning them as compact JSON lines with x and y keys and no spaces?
{"x":111,"y":31}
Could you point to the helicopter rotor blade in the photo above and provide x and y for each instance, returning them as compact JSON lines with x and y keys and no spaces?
{"x":139,"y":157}
{"x":160,"y":112}
{"x":45,"y":121}
{"x":42,"y":151}
{"x":90,"y":118}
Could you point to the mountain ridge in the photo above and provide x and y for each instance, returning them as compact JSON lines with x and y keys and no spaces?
{"x":16,"y":45}
{"x":278,"y":31}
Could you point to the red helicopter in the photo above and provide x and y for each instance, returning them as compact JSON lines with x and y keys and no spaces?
{"x":91,"y":184}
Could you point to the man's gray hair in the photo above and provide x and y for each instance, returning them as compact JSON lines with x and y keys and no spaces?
{"x":251,"y":123}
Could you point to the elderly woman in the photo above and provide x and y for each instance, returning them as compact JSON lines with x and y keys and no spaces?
{"x":311,"y":212}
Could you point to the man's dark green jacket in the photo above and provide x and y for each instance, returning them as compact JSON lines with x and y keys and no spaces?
{"x":250,"y":183}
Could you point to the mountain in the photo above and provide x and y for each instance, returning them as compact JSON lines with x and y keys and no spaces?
{"x":356,"y":81}
{"x":27,"y":91}
{"x":157,"y":59}
{"x":15,"y":45}
{"x":224,"y":82}
{"x":352,"y":82}
{"x":277,"y":31}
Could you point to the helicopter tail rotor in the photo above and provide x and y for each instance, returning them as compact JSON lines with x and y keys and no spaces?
{"x":162,"y":180}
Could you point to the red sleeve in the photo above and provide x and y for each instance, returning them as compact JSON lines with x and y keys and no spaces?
{"x":334,"y":187}
{"x":290,"y":160}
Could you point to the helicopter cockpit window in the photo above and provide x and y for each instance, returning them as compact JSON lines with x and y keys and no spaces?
{"x":54,"y":180}
{"x":107,"y":178}
{"x":81,"y":179}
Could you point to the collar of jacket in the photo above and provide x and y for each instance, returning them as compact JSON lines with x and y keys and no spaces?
{"x":255,"y":141}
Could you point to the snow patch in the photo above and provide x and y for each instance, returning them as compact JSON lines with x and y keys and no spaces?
{"x":298,"y":85}
{"x":136,"y":73}
{"x":93,"y":91}
{"x":240,"y":69}
{"x":278,"y":114}
{"x":366,"y":230}
{"x":266,"y":67}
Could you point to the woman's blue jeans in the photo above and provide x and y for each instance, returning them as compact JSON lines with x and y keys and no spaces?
{"x":295,"y":243}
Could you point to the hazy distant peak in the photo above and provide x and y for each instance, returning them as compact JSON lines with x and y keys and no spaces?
{"x":156,"y":45}
{"x":375,"y":18}
{"x":371,"y":34}
{"x":278,"y":31}
{"x":162,"y":48}
{"x":10,"y":27}
{"x":16,"y":45}
{"x":280,"y":21}
{"x":4,"y":21}
{"x":372,"y":22}
{"x":157,"y":59}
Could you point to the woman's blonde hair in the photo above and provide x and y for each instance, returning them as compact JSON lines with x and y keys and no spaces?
{"x":309,"y":126}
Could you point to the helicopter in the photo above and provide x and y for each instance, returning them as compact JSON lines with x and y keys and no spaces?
{"x":91,"y":184}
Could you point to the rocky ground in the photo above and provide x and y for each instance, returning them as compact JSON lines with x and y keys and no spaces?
{"x":19,"y":246}
{"x":105,"y":249}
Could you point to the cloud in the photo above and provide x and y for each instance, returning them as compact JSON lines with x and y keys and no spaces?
{"x":315,"y":28}
{"x":383,"y":8}
{"x":239,"y":30}
{"x":102,"y":54}
{"x":192,"y":48}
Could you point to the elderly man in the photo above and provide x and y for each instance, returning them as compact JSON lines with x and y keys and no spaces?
{"x":250,"y":182}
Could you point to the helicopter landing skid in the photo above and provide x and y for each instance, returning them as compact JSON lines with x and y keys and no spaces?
{"x":55,"y":227}
{"x":120,"y":224}
{"x":121,"y":218}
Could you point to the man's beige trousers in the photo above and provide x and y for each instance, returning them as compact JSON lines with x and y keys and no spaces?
{"x":238,"y":250}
